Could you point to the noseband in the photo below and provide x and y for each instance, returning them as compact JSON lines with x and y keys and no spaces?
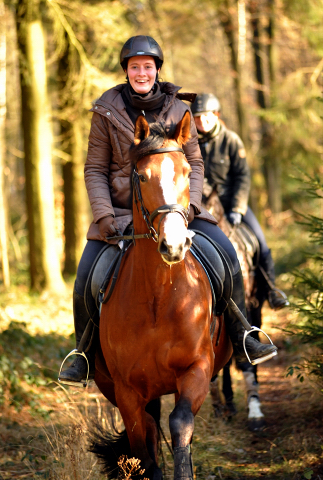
{"x":164,"y":209}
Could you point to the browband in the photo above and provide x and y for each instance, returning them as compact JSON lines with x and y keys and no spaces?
{"x":163,"y":150}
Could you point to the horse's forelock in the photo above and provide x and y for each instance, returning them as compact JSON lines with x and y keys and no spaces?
{"x":159,"y":133}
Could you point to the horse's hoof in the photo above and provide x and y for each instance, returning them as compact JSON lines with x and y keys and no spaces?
{"x":158,"y":475}
{"x":256,"y":424}
{"x":230,"y":410}
{"x":218,"y":409}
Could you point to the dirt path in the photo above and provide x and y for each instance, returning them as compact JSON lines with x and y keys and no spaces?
{"x":46,"y":437}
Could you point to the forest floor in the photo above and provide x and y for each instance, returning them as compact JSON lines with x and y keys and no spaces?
{"x":43,"y":426}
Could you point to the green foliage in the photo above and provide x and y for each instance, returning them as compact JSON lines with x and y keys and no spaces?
{"x":20,"y":369}
{"x":309,"y":287}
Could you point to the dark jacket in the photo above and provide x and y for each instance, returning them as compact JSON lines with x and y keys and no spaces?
{"x":108,"y":168}
{"x":226,"y":168}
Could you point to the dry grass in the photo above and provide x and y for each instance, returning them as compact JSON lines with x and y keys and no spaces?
{"x":55,"y":446}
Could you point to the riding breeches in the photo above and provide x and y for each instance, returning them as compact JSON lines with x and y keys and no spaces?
{"x":91,"y":250}
{"x":216,"y":234}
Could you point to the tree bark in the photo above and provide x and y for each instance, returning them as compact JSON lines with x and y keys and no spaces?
{"x":44,"y":261}
{"x":3,"y":111}
{"x":271,"y":165}
{"x":228,"y":26}
{"x":76,"y":205}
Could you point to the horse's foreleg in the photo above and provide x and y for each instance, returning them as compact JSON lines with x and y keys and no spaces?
{"x":140,"y":427}
{"x":192,"y":390}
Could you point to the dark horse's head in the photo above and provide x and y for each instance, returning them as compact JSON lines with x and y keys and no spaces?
{"x":163,"y":174}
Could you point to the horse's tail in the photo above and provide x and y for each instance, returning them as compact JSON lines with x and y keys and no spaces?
{"x":109,"y":447}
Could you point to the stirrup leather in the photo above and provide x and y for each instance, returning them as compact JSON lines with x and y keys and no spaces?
{"x":256,"y":361}
{"x":82,"y":383}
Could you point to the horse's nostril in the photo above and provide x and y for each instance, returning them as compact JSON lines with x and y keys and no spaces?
{"x":188,"y":242}
{"x":163,"y":247}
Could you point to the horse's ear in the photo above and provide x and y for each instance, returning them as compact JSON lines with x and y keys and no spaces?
{"x":141,"y":129}
{"x":183,"y":129}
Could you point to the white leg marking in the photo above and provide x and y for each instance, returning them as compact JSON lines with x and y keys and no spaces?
{"x":254,"y":408}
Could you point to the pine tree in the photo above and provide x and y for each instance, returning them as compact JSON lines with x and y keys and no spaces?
{"x":309,"y":287}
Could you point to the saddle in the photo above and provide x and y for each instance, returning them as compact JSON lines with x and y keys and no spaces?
{"x":212,"y":257}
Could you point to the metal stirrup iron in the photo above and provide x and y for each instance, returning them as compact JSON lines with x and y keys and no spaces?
{"x":79,"y":351}
{"x":82,"y":383}
{"x":249,"y":329}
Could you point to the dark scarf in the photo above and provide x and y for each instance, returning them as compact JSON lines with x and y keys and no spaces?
{"x":151,"y":103}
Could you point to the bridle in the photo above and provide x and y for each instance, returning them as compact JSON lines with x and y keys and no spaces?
{"x":163,"y":210}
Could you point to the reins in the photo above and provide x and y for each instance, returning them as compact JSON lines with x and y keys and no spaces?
{"x":163,"y":210}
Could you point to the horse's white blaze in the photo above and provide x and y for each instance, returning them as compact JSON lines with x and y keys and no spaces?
{"x":174,"y":227}
{"x":254,"y":408}
{"x":167,"y":180}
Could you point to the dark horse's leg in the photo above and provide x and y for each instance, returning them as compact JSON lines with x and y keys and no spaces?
{"x":192,"y":390}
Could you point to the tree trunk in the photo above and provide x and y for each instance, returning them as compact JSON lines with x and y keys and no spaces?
{"x":3,"y":110}
{"x":76,"y":218}
{"x":76,"y":205}
{"x":271,"y":165}
{"x":44,"y":261}
{"x":228,"y":26}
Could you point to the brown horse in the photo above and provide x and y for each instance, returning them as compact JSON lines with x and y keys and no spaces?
{"x":155,"y":329}
{"x":247,"y":247}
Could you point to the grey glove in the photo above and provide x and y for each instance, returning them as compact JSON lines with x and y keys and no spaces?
{"x":234,"y":218}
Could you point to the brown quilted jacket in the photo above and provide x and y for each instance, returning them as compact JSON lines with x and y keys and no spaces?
{"x":108,"y":168}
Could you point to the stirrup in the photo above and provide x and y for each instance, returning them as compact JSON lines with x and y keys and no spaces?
{"x":256,"y":361}
{"x":282,"y":294}
{"x":82,"y":383}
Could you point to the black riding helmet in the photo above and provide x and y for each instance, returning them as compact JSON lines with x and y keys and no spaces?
{"x":205,"y":102}
{"x":141,"y":45}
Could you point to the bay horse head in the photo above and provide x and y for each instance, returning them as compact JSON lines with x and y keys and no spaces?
{"x":161,"y":184}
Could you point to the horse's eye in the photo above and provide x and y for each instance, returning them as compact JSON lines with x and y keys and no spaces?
{"x":142,"y":178}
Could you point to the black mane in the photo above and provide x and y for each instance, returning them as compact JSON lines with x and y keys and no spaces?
{"x":157,"y":136}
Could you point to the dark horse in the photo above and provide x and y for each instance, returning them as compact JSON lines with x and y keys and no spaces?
{"x":155,"y":336}
{"x":247,"y":247}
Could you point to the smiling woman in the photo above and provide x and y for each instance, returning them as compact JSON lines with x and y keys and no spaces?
{"x":142,"y":74}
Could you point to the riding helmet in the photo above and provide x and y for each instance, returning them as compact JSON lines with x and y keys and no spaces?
{"x":205,"y":102}
{"x":141,"y":45}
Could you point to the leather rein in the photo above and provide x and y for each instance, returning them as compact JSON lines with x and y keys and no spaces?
{"x":163,"y":210}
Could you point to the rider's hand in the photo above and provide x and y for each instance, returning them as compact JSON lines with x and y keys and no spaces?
{"x":234,"y":218}
{"x":191,"y":214}
{"x":108,"y":227}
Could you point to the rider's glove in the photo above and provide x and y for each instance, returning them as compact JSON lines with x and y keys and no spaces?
{"x":234,"y":218}
{"x":108,"y":227}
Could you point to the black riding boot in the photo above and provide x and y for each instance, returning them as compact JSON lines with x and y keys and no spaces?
{"x":78,"y":370}
{"x":257,"y":351}
{"x":276,"y":298}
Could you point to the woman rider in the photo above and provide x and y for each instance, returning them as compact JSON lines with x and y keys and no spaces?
{"x":108,"y":171}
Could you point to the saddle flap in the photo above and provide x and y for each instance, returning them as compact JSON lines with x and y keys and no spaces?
{"x":218,"y":266}
{"x":103,"y":270}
